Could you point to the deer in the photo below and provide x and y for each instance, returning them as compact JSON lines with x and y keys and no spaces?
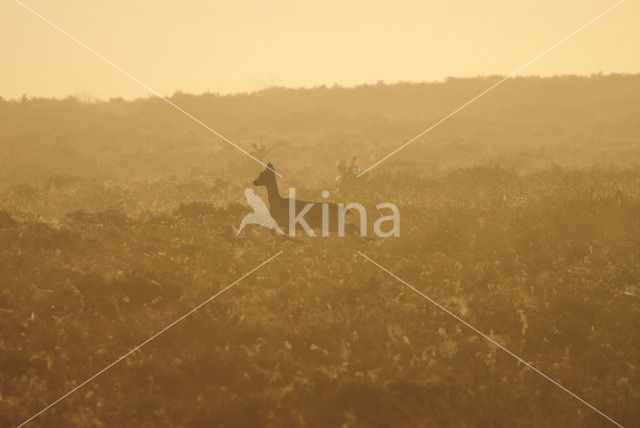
{"x":326,"y":216}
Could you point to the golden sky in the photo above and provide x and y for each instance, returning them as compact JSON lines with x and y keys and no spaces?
{"x":233,"y":46}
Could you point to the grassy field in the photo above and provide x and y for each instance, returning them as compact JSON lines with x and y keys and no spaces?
{"x":521,"y":215}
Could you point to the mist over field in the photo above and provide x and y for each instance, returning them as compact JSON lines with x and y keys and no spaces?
{"x":520,"y":214}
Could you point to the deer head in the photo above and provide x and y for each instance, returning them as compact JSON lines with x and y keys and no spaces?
{"x":265,"y":176}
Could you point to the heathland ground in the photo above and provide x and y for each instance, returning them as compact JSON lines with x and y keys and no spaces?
{"x":521,"y":214}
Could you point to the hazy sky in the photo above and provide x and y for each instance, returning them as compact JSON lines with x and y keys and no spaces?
{"x":232,"y":46}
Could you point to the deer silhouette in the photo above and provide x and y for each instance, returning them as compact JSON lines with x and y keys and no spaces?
{"x":279,"y":208}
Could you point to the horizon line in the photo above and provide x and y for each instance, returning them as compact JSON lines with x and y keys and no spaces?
{"x":96,"y":99}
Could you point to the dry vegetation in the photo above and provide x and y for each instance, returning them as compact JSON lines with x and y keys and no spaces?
{"x":520,"y":214}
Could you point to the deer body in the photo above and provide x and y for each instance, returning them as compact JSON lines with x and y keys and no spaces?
{"x":312,"y":213}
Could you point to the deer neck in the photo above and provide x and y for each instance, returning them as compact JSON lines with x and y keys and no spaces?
{"x":272,"y":193}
